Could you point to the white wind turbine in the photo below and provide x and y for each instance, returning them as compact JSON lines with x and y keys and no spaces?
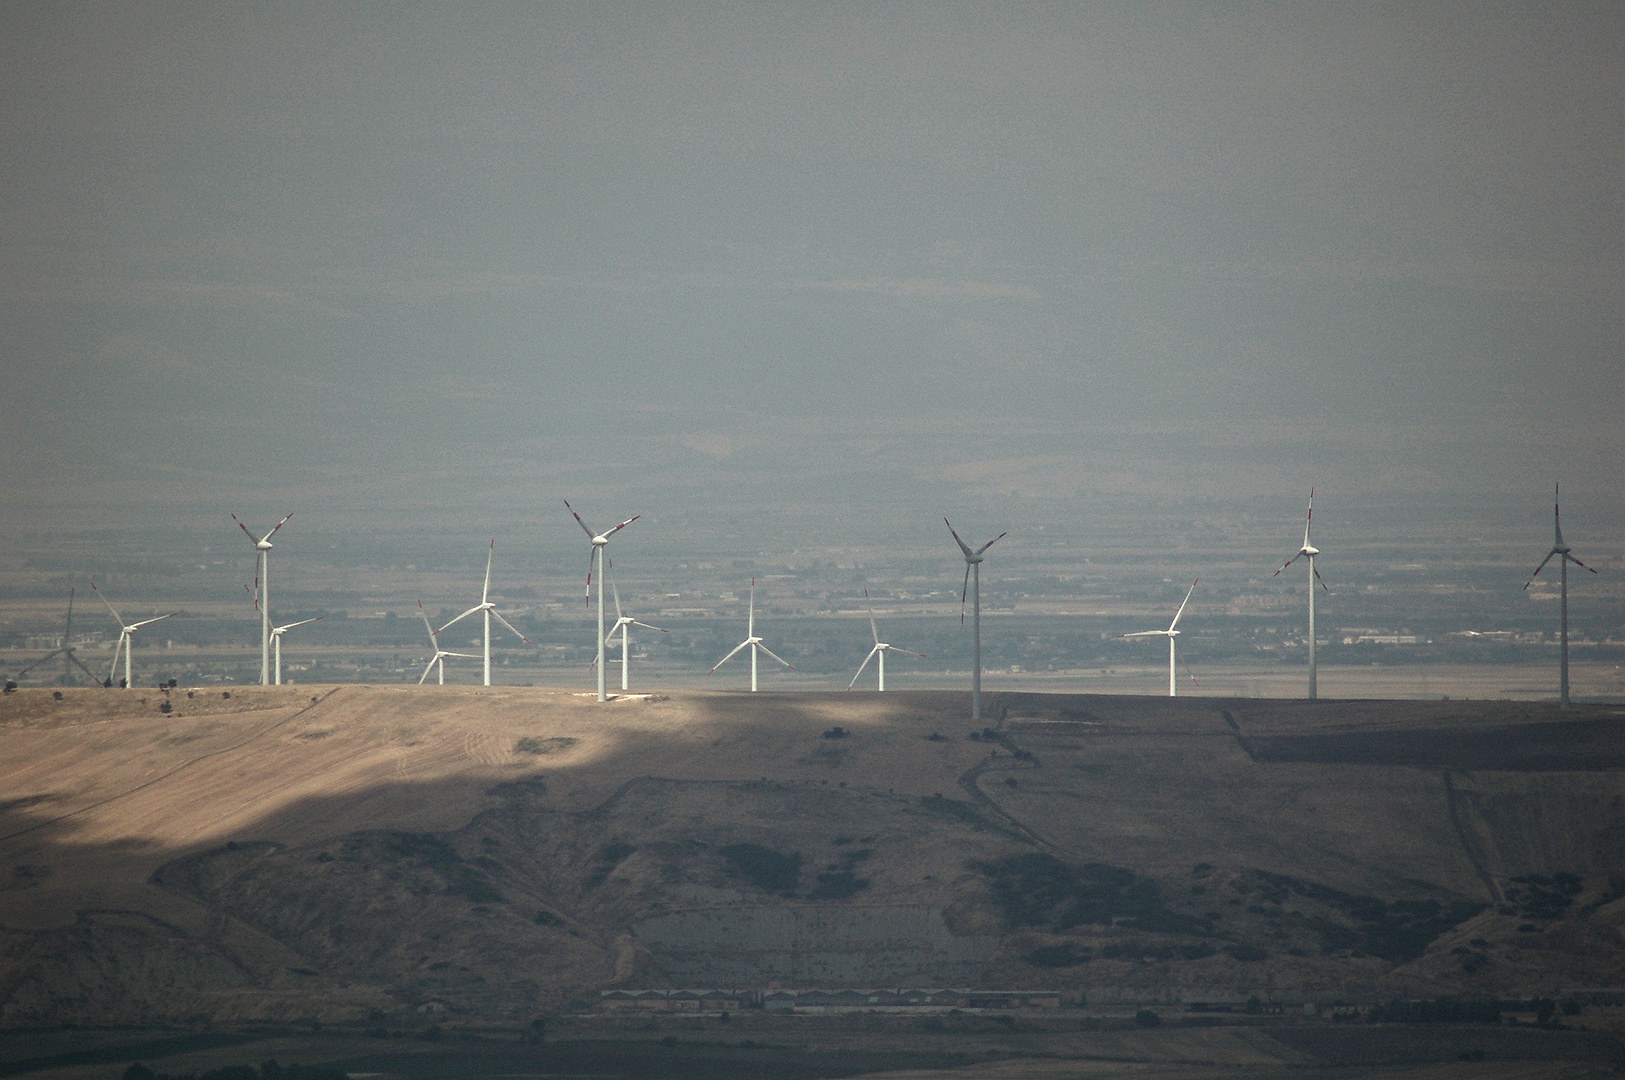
{"x":623,"y":624}
{"x":600,"y":543}
{"x":489,"y":610}
{"x":1561,"y":549}
{"x":277,"y":632}
{"x":1310,"y":551}
{"x":973,"y":570}
{"x":754,"y":642}
{"x":276,"y":641}
{"x":880,"y":650}
{"x":262,"y":585}
{"x":440,"y":654}
{"x":126,"y":638}
{"x":1172,"y":635}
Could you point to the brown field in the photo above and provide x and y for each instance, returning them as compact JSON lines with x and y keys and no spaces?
{"x":394,"y":856}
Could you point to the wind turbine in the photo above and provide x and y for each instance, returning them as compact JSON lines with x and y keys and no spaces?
{"x":1173,"y":636}
{"x":488,"y":609}
{"x":440,"y":654}
{"x":973,"y":568}
{"x":880,"y":650}
{"x":1561,"y":549}
{"x":623,"y":624}
{"x":754,"y":642}
{"x":126,"y":638}
{"x":1311,"y":551}
{"x":65,"y":650}
{"x":276,"y":639}
{"x":600,"y":542}
{"x":262,"y":582}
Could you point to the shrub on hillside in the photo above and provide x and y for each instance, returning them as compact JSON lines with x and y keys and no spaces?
{"x":769,"y":870}
{"x":1041,"y":890}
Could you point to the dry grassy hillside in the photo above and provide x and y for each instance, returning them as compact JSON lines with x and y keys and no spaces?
{"x":490,"y":854}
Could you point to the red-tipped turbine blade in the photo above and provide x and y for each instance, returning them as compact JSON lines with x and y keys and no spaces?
{"x":275,"y":527}
{"x":1526,"y":584}
{"x":584,"y":527}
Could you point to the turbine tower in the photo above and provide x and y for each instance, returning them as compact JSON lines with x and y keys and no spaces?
{"x":1561,"y":549}
{"x":754,"y":642}
{"x":973,"y":570}
{"x":880,"y":650}
{"x":488,"y":609}
{"x":126,"y":638}
{"x":1172,"y":635}
{"x":276,"y":640}
{"x":262,"y":583}
{"x":440,"y":654}
{"x":623,"y":624}
{"x":600,"y":543}
{"x":1310,"y":551}
{"x":65,"y":650}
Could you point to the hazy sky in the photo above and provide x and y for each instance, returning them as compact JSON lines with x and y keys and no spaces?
{"x":1008,"y":261}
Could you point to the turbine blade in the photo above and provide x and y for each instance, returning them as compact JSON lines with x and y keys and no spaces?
{"x":1147,"y":633}
{"x":1578,"y":563}
{"x":274,"y":528}
{"x":1557,"y":515}
{"x":485,"y":593}
{"x":730,"y":656}
{"x":511,"y":628}
{"x":991,"y":542}
{"x":37,"y":663}
{"x":115,"y":614}
{"x":301,"y":622}
{"x":1309,"y":518}
{"x":964,"y":591}
{"x":81,"y":664}
{"x":862,"y":666}
{"x":873,"y":629}
{"x":586,"y":598}
{"x":1320,"y":579}
{"x":962,"y":545}
{"x":623,"y":525}
{"x":584,"y":527}
{"x":1532,"y":577}
{"x":1288,"y":563}
{"x":243,"y":527}
{"x":432,"y":642}
{"x":775,"y":656}
{"x":149,"y":622}
{"x":1182,"y":604}
{"x":616,"y":592}
{"x":646,"y":626}
{"x":463,"y":616}
{"x":427,"y":668}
